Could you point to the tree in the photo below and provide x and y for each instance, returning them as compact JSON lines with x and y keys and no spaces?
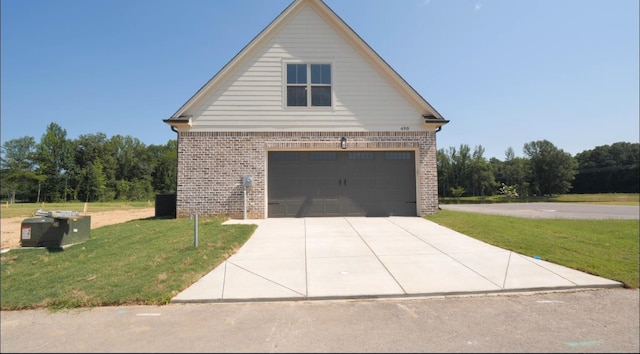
{"x":54,"y":156}
{"x":609,"y":169}
{"x":91,"y":167}
{"x":461,"y":168}
{"x":132,"y":157}
{"x":18,"y":167}
{"x":165,"y":172}
{"x":89,"y":151}
{"x":445,"y":173}
{"x":482,"y":178}
{"x":95,"y":182}
{"x":552,"y":170}
{"x":462,"y":171}
{"x":135,"y":165}
{"x":512,"y":172}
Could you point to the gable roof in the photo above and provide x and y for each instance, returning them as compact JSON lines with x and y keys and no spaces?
{"x":430,"y":115}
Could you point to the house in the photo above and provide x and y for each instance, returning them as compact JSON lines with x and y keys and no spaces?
{"x":307,"y":120}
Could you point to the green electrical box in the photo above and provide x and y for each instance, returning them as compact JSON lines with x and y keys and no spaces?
{"x":55,"y":229}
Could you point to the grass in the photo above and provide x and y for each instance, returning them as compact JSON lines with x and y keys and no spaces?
{"x":28,"y":209}
{"x":143,"y":262}
{"x":606,"y":248}
{"x":603,"y":198}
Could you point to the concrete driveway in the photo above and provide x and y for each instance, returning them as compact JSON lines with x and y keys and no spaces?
{"x":551,"y":210}
{"x":366,"y":257}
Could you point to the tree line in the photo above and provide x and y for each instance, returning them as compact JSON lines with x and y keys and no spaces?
{"x":89,"y":168}
{"x":96,"y":168}
{"x":544,"y":171}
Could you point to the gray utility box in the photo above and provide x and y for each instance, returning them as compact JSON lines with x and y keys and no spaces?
{"x":56,"y":229}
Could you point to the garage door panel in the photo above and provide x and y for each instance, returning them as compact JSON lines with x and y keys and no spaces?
{"x":314,"y":170}
{"x":282,"y":187}
{"x":359,"y":183}
{"x":290,"y":169}
{"x":355,"y":168}
{"x":285,"y":207}
{"x":341,"y":183}
{"x":332,"y":208}
{"x":311,"y":183}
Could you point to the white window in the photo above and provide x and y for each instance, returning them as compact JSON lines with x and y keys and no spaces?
{"x":308,"y":85}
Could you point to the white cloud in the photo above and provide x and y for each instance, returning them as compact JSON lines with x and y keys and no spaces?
{"x":478,"y":6}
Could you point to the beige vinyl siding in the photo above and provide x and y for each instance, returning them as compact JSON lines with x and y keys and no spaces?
{"x":251,"y":99}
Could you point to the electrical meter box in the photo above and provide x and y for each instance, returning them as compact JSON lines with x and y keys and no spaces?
{"x":247,"y":180}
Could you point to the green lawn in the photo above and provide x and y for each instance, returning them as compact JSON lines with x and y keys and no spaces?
{"x":607,"y":248}
{"x":139,"y":262}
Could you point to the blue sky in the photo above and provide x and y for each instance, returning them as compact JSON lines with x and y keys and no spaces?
{"x":504,"y":72}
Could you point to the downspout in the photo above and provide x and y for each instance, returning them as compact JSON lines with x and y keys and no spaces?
{"x":177,"y":158}
{"x":171,"y":121}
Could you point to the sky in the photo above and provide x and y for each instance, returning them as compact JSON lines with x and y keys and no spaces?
{"x":503,"y":72}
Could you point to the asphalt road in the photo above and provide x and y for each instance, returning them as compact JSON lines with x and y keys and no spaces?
{"x":604,"y":320}
{"x":551,"y":210}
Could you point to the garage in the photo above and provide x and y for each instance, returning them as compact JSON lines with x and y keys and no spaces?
{"x":341,"y":183}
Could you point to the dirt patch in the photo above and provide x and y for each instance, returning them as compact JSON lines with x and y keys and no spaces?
{"x":11,"y":226}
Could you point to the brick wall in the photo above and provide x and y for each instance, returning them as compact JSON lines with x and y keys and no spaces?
{"x":211,"y":166}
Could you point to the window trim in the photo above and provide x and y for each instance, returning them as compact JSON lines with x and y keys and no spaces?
{"x":308,"y":86}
